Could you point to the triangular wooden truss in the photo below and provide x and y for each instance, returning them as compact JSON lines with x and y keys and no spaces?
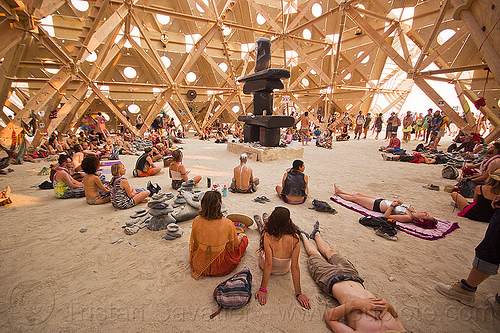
{"x":356,"y":39}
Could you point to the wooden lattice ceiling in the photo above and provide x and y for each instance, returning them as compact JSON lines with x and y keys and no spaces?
{"x":352,"y":55}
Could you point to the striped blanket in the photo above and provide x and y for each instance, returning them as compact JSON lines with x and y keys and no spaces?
{"x":443,"y":227}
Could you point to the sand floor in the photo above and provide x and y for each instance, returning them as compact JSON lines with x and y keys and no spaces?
{"x":56,"y":279}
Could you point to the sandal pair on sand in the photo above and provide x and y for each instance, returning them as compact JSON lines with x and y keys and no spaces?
{"x":262,"y":199}
{"x":431,"y":187}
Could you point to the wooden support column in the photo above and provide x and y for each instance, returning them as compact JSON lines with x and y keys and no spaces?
{"x":74,"y":101}
{"x":483,"y":43}
{"x":112,"y":108}
{"x":495,"y":134}
{"x":155,"y":109}
{"x":10,"y":37}
{"x":436,"y":98}
{"x":469,"y":117}
{"x":76,"y":115}
{"x":9,"y":69}
{"x":224,"y":104}
{"x":435,"y":30}
{"x":104,"y":30}
{"x":45,"y":94}
{"x":46,"y":120}
{"x":493,"y":118}
{"x":207,"y":114}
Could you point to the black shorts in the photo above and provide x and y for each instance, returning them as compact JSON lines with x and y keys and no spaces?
{"x":376,"y":205}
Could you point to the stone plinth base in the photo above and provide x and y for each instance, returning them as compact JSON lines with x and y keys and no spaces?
{"x":264,"y":154}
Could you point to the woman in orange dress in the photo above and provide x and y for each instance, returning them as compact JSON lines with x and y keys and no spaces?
{"x":215,"y":249}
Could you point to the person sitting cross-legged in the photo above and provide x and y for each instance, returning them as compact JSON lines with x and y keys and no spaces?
{"x":243,"y":180}
{"x":336,"y":276}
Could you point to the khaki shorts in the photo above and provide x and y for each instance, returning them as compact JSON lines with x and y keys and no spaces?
{"x":328,"y":272}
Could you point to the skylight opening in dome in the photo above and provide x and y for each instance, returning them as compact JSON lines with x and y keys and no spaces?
{"x":317,"y":10}
{"x":163,"y":19}
{"x":166,"y":61}
{"x":134,"y":108}
{"x":305,"y":82}
{"x":260,"y":19}
{"x":191,"y":41}
{"x":80,"y":5}
{"x":245,"y":48}
{"x":51,"y":70}
{"x":226,"y":30}
{"x":48,"y":25}
{"x":293,"y":57}
{"x":365,"y":60}
{"x":307,"y":34}
{"x":236,"y":108}
{"x":130,"y":72}
{"x":444,"y":35}
{"x":191,"y":77}
{"x":91,"y":57}
{"x":223,"y":66}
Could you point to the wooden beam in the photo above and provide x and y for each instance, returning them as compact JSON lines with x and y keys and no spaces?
{"x":435,"y":30}
{"x":195,"y":53}
{"x":105,"y":29}
{"x":158,"y":105}
{"x":483,"y":43}
{"x":469,"y":117}
{"x":493,"y":118}
{"x":437,"y":52}
{"x":436,"y":98}
{"x":45,"y":94}
{"x":10,"y":37}
{"x":319,"y":71}
{"x":76,"y":115}
{"x":8,"y":69}
{"x":269,"y":19}
{"x":112,"y":108}
{"x":74,"y":101}
{"x":454,"y":69}
{"x":377,"y":38}
{"x":151,"y":47}
{"x":224,"y":104}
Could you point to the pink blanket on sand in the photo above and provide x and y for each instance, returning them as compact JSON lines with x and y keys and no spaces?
{"x":443,"y":227}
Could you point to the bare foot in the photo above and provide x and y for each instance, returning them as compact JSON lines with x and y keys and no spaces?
{"x":337,"y":189}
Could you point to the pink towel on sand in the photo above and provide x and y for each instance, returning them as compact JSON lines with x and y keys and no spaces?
{"x":443,"y":227}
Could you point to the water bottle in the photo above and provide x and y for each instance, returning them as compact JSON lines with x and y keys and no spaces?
{"x":224,"y":191}
{"x":209,"y":182}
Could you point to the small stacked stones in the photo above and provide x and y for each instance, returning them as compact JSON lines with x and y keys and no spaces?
{"x":160,"y":212}
{"x":187,"y":185}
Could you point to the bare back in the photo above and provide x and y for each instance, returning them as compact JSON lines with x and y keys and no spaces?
{"x":243,"y":176}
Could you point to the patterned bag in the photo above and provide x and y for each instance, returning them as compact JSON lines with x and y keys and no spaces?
{"x":235,"y":292}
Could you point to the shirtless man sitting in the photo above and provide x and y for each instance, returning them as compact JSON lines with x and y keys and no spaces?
{"x":243,"y":181}
{"x":336,"y":276}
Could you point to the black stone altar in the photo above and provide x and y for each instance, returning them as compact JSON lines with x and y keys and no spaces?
{"x":262,"y":126}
